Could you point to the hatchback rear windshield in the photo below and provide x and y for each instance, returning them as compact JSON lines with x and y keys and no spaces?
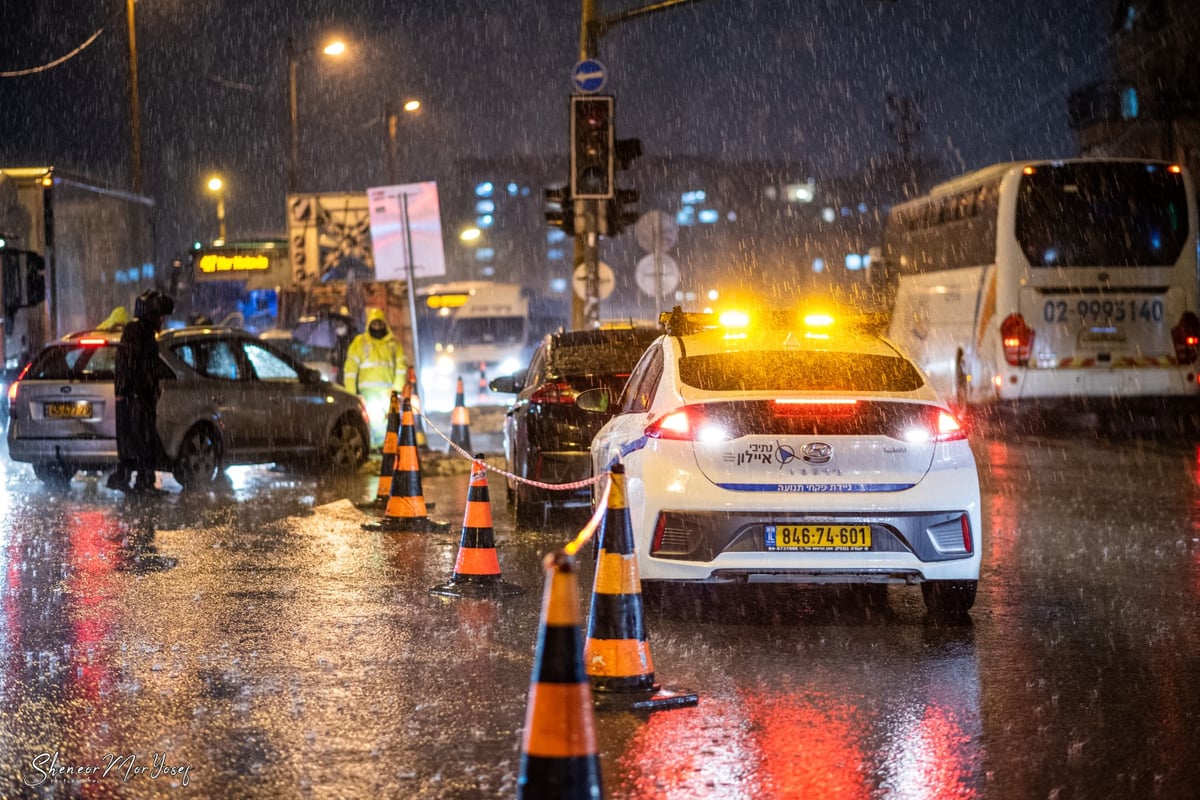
{"x":789,"y":371}
{"x":75,"y":362}
{"x":598,"y":358}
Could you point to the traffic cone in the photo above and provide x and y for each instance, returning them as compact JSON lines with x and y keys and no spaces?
{"x":406,"y":510}
{"x":558,"y":747}
{"x":483,"y":397}
{"x":477,"y":570}
{"x":617,"y":653}
{"x":418,"y":410}
{"x":390,"y":440}
{"x":460,"y":420}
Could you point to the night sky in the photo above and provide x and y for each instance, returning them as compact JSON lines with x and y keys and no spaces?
{"x":799,"y":79}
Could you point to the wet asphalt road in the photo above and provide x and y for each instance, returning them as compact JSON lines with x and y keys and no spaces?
{"x":256,"y":642}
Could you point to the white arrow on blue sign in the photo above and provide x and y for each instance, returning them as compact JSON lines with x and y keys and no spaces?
{"x":589,"y":76}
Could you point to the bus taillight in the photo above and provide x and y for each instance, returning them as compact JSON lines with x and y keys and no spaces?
{"x":1018,"y":340}
{"x":1186,"y":336}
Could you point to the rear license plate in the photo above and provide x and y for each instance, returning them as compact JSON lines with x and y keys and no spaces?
{"x":817,"y":536}
{"x":68,"y":409}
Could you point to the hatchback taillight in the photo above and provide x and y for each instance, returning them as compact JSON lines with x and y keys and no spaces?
{"x":13,"y":389}
{"x":1186,"y":336}
{"x":551,"y":393}
{"x":688,"y":424}
{"x":936,"y":425}
{"x":1017,"y":338}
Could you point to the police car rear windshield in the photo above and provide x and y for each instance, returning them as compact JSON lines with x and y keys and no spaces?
{"x":789,"y":371}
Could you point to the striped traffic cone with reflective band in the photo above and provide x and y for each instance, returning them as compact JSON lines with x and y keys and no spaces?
{"x":405,"y":510}
{"x":418,"y":409}
{"x":460,"y":420}
{"x":559,"y":758}
{"x":390,"y":442}
{"x":617,"y":653}
{"x":477,"y":569}
{"x":483,"y":398}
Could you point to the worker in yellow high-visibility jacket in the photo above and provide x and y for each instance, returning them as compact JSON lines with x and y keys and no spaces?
{"x":375,"y":367}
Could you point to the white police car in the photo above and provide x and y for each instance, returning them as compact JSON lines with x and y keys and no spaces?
{"x":782,"y":449}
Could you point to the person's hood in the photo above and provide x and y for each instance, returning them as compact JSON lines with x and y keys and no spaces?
{"x":377,"y":314}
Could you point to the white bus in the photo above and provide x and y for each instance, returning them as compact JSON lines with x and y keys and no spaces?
{"x":1046,"y":282}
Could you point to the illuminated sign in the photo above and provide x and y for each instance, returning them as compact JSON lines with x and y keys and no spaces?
{"x":213,"y":263}
{"x":447,"y":300}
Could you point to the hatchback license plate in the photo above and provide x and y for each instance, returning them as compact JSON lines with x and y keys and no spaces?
{"x":817,"y":536}
{"x":68,"y":409}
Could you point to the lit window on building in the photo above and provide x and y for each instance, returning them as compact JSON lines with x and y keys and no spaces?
{"x":524,"y":191}
{"x":686,"y":216}
{"x":487,"y":270}
{"x":691,"y":198}
{"x":513,"y":189}
{"x":862,"y":208}
{"x":485,"y":207}
{"x":147,"y":271}
{"x":485,"y":254}
{"x":1129,"y":103}
{"x":731,"y":216}
{"x":853,"y":261}
{"x":556,"y":254}
{"x":801,"y":192}
{"x":828,"y":214}
{"x":558,"y":285}
{"x":555,"y":235}
{"x":484,"y":189}
{"x":845,"y":211}
{"x":708,"y":216}
{"x":485,"y":221}
{"x":818,"y":265}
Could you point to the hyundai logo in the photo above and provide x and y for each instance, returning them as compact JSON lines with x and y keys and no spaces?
{"x":817,"y":452}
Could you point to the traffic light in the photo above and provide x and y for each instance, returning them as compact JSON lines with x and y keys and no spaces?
{"x":560,"y":209}
{"x":617,"y":214}
{"x":592,"y":149}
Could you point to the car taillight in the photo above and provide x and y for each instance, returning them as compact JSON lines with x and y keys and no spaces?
{"x":687,"y":424}
{"x":93,"y":342}
{"x":1186,"y":336}
{"x":938,"y":425}
{"x":14,"y":388}
{"x":966,"y":532}
{"x":553,"y":393}
{"x":1017,"y":338}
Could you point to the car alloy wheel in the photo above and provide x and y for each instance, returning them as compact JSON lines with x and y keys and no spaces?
{"x":346,"y":448}
{"x":199,"y":458}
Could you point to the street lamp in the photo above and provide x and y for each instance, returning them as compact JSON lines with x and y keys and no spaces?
{"x":217,"y":187}
{"x":392,"y":120}
{"x":334,"y":48}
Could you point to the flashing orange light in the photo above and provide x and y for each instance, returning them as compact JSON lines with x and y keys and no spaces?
{"x":1175,"y":169}
{"x":818,"y":320}
{"x":734,"y":319}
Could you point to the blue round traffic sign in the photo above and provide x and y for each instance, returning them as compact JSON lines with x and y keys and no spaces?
{"x":589,"y":76}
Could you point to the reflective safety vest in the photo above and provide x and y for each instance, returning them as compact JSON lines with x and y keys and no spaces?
{"x":375,"y":364}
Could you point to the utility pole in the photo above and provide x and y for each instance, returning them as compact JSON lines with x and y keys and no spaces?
{"x":135,"y":114}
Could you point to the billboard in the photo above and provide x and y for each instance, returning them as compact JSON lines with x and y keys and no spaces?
{"x":329,"y":238}
{"x":406,"y":227}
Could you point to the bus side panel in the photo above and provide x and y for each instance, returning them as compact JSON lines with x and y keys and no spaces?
{"x":934,"y":320}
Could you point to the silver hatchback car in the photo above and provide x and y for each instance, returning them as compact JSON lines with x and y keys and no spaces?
{"x":228,"y":398}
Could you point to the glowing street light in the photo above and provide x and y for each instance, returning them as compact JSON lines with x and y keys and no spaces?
{"x":335,"y":48}
{"x":217,"y":187}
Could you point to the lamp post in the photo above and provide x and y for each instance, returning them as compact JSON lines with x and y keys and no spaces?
{"x":217,"y":187}
{"x":391,"y":118}
{"x":334,"y":48}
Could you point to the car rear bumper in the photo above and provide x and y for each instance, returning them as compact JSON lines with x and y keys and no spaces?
{"x":81,"y":453}
{"x":708,"y":534}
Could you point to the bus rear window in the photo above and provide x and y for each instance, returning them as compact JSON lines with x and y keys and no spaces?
{"x":786,"y":371}
{"x":1102,"y":215}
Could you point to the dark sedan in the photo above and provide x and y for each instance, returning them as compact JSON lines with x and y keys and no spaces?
{"x":547,"y":439}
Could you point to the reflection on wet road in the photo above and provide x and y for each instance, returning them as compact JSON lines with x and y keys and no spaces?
{"x":256,"y":642}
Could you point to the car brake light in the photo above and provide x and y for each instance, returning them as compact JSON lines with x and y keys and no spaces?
{"x":1018,"y":340}
{"x":1186,"y":336}
{"x":939,"y":425}
{"x":553,"y":393}
{"x":93,"y":342}
{"x":966,"y":531}
{"x":14,"y":387}
{"x":949,"y":429}
{"x":687,"y":424}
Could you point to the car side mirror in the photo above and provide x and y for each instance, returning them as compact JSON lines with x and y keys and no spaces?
{"x":507,"y":384}
{"x":595,"y":400}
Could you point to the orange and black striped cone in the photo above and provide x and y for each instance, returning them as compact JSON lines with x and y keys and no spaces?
{"x":460,"y":420}
{"x":477,"y":570}
{"x":418,"y":409}
{"x":483,"y":398}
{"x":406,"y":510}
{"x":617,"y":653}
{"x":390,"y":444}
{"x":559,"y":758}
